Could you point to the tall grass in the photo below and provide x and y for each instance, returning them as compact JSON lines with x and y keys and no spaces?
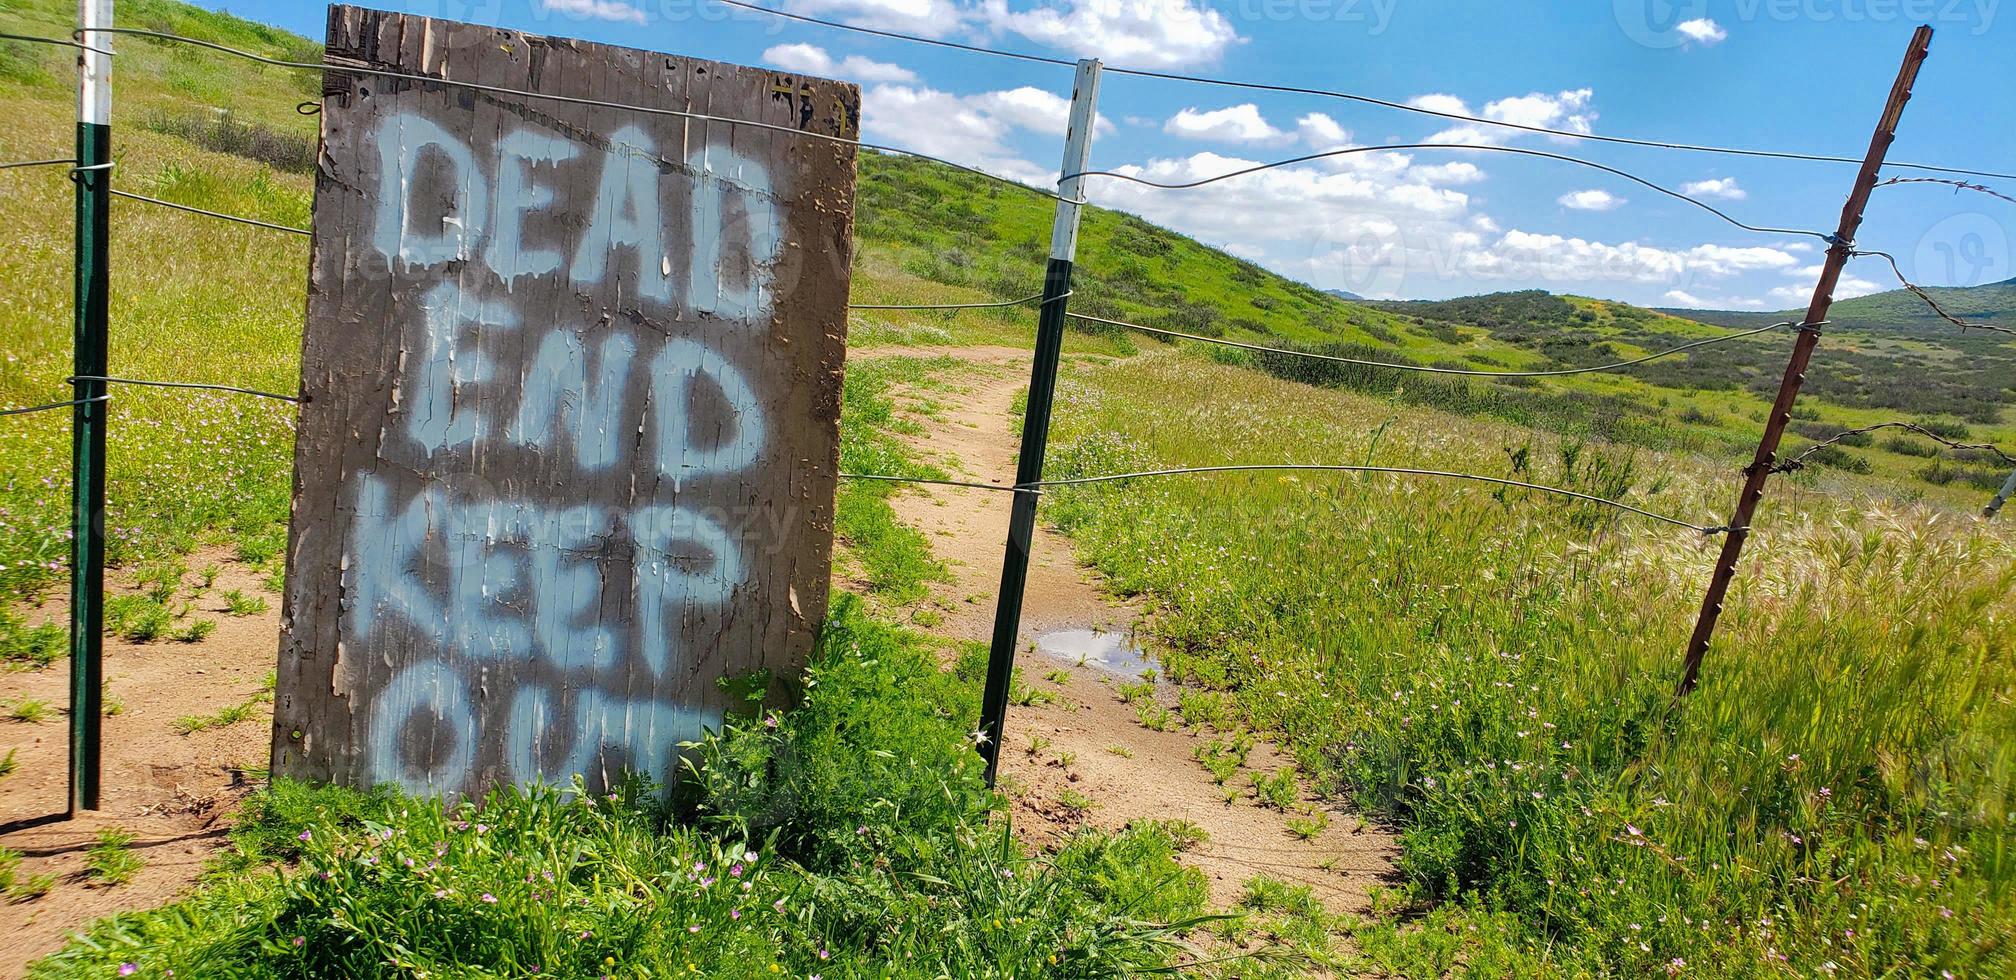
{"x":1494,"y":675}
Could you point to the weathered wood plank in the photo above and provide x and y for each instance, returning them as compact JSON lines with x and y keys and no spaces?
{"x":569,"y":453}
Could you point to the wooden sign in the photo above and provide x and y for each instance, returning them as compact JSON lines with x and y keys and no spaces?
{"x":572,"y":380}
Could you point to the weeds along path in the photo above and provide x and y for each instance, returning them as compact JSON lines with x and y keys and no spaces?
{"x":184,"y":723}
{"x":1079,"y":754}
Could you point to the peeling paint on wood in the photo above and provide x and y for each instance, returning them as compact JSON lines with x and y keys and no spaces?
{"x":573,"y":380}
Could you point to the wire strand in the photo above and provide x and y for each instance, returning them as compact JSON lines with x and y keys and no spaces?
{"x":1005,"y":488}
{"x":188,"y":384}
{"x":69,"y":42}
{"x":1370,"y":100}
{"x":211,"y":214}
{"x":1430,"y":369}
{"x":1919,"y":291}
{"x":575,"y":100}
{"x":36,"y":163}
{"x":955,"y":306}
{"x":1669,"y":192}
{"x":1799,"y":461}
{"x":1956,"y":184}
{"x":1400,"y":470}
{"x":54,"y":405}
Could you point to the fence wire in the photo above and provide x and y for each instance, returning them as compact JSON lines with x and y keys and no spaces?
{"x":1428,"y":368}
{"x":1467,"y":147}
{"x":1799,"y":462}
{"x":1926,"y":298}
{"x":1658,"y":144}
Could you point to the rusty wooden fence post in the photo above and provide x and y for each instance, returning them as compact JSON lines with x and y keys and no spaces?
{"x":1841,"y":247}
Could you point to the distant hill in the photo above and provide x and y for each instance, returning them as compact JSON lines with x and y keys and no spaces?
{"x":1895,"y":311}
{"x":1345,"y":294}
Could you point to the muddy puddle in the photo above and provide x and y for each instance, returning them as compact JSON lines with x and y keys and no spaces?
{"x":1110,"y":651}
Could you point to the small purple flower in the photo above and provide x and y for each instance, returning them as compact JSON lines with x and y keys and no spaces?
{"x":735,"y":870}
{"x":735,"y":913}
{"x":304,"y":836}
{"x":489,"y":899}
{"x":299,"y":941}
{"x":128,"y":969}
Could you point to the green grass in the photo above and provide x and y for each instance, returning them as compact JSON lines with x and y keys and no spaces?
{"x":110,"y":859}
{"x":850,"y":838}
{"x":1492,"y":672}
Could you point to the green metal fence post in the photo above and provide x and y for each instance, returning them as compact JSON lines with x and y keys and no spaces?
{"x":1036,"y":417}
{"x":87,"y":443}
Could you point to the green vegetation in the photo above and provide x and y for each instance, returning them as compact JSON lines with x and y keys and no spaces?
{"x":110,"y":859}
{"x":807,"y":846}
{"x":16,"y":887}
{"x":1488,"y":671}
{"x":1493,"y":673}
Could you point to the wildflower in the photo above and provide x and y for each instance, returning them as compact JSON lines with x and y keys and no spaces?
{"x":823,"y":954}
{"x":735,"y":870}
{"x":693,"y":929}
{"x":128,"y":969}
{"x":299,"y":941}
{"x":303,"y":836}
{"x":608,"y":961}
{"x":735,"y":913}
{"x":489,"y":899}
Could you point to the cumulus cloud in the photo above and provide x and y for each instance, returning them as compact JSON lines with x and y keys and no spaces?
{"x":1680,"y":297}
{"x":593,"y":10}
{"x":968,"y":129}
{"x":1594,"y":199}
{"x":1148,"y":33}
{"x":1320,"y":131}
{"x":1702,"y":31}
{"x":1722,"y":187}
{"x":929,"y":18}
{"x":1847,"y":287}
{"x":813,"y":60}
{"x":1233,"y":124}
{"x":1569,"y":111}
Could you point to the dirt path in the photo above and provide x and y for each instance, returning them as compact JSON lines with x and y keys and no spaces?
{"x":1088,"y":744}
{"x":172,"y":792}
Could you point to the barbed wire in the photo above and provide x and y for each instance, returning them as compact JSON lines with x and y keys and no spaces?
{"x":1398,"y":470}
{"x":573,"y":100}
{"x":54,"y":405}
{"x":1429,"y":368}
{"x":1920,"y":292}
{"x":1367,"y":100}
{"x":1958,"y":185}
{"x":1669,"y":192}
{"x":1799,"y":461}
{"x":189,"y":384}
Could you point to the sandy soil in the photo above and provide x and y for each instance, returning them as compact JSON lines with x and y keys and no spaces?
{"x":172,"y":792}
{"x":1129,"y":771}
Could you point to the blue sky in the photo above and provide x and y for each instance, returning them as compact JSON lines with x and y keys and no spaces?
{"x":1805,"y":75}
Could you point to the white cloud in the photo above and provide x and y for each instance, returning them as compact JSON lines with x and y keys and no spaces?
{"x":1146,"y":33}
{"x":1702,"y":31}
{"x":1449,"y":173}
{"x":813,"y":60}
{"x":1568,"y":110}
{"x":971,"y":129}
{"x":930,"y":18}
{"x":1033,"y":109}
{"x":1321,"y":131}
{"x":1722,"y":187}
{"x":593,"y":10}
{"x":1680,"y":297}
{"x":1594,"y":199}
{"x":1847,"y":287}
{"x":1232,"y":124}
